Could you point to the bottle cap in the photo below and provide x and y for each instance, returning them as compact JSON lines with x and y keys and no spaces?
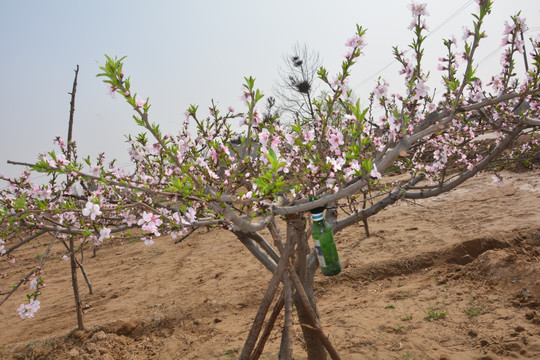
{"x":318,"y":210}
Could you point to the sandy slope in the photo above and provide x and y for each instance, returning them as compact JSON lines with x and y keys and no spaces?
{"x":471,"y":255}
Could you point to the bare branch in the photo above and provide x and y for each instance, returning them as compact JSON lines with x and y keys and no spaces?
{"x":391,"y":198}
{"x":256,"y":251}
{"x":71,"y":114}
{"x":24,"y":241}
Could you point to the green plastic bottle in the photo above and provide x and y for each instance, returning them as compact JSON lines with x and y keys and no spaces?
{"x":325,"y":245}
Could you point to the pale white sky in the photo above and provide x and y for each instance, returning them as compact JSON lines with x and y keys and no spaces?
{"x":189,"y":52}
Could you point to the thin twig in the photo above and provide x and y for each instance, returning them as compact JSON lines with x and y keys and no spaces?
{"x":15,"y":287}
{"x":71,"y":115}
{"x":24,"y":279}
{"x":186,"y":236}
{"x":88,"y":283}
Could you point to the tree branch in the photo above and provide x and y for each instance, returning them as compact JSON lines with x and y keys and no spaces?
{"x":469,"y":173}
{"x":71,"y":115}
{"x":22,"y":242}
{"x":256,"y":251}
{"x":391,"y":198}
{"x":264,"y":245}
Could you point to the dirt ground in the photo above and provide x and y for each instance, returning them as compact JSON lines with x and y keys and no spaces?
{"x":454,"y":277}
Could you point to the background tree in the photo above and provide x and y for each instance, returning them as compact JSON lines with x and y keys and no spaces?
{"x":270,"y":178}
{"x":297,"y":86}
{"x":271,"y":113}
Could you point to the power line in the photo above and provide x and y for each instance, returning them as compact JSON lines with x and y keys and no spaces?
{"x":485,"y":58}
{"x":451,"y":17}
{"x":437,"y":28}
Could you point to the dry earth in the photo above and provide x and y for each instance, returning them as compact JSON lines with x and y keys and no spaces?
{"x":454,"y":277}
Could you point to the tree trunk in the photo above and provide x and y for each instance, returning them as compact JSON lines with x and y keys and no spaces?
{"x":296,"y":270}
{"x":314,"y":346}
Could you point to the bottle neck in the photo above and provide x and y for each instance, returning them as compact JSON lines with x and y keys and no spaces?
{"x":317,"y":217}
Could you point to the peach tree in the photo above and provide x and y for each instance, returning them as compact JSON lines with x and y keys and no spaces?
{"x":235,"y":170}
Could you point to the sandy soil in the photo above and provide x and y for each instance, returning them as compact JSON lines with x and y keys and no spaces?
{"x":455,"y":277}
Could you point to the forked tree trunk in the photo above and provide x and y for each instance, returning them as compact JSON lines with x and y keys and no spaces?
{"x":293,"y":269}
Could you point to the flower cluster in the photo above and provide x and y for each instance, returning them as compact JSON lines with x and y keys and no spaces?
{"x":150,"y":222}
{"x":91,"y":209}
{"x":27,"y":311}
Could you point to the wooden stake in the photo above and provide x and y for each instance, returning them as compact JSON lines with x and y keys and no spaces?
{"x":266,"y":301}
{"x":285,"y":349}
{"x":268,"y":328}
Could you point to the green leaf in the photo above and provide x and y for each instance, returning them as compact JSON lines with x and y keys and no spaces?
{"x":142,"y":139}
{"x":272,"y":157}
{"x":297,"y":128}
{"x":258,"y":96}
{"x":250,"y":82}
{"x":138,"y":120}
{"x":20,"y":203}
{"x":322,"y":73}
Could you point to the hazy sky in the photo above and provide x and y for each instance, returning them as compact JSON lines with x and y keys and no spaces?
{"x":189,"y":52}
